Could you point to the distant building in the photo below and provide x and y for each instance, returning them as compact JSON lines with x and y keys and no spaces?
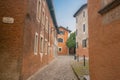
{"x":82,"y":31}
{"x":62,"y":38}
{"x":104,"y":39}
{"x":28,"y":37}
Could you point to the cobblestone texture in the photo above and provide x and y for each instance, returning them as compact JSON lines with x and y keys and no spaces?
{"x":59,"y":69}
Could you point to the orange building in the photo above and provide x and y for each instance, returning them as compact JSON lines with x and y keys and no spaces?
{"x":62,"y":38}
{"x":104,"y":39}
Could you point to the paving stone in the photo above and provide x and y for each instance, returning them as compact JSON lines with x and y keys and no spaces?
{"x":59,"y":69}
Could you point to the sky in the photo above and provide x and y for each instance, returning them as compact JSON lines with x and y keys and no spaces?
{"x":64,"y":11}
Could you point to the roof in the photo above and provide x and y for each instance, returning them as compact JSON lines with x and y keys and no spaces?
{"x":52,"y":12}
{"x":80,"y":9}
{"x":65,"y":28}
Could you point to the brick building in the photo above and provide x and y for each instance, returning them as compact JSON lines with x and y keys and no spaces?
{"x":82,"y":31}
{"x":28,"y":37}
{"x":104,"y":39}
{"x":62,"y":38}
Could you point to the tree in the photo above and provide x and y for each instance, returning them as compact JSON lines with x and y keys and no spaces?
{"x":71,"y":42}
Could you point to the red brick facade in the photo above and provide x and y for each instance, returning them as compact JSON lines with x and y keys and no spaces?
{"x":17,"y":40}
{"x":62,"y":45}
{"x":104,"y":40}
{"x":80,"y":51}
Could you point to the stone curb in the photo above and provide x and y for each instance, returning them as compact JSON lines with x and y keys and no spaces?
{"x":75,"y":73}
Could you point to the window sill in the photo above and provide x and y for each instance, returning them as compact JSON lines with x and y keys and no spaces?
{"x":109,"y":7}
{"x":35,"y":53}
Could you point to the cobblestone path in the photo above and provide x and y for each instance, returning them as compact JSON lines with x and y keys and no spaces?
{"x":59,"y":69}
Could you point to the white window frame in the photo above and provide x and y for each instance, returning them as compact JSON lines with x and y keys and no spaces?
{"x":36,"y":44}
{"x":46,"y":46}
{"x":39,"y":7}
{"x":41,"y":44}
{"x":43,"y":16}
{"x":46,"y":24}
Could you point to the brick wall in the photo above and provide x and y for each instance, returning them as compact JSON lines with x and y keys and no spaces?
{"x":31,"y":62}
{"x":11,"y":39}
{"x":17,"y":40}
{"x":80,"y":51}
{"x":104,"y":42}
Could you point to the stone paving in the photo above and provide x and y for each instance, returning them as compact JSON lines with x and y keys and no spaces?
{"x":59,"y":69}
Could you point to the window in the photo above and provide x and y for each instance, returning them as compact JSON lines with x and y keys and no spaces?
{"x":76,"y":32}
{"x":76,"y":44}
{"x":49,"y":31}
{"x":84,"y":43}
{"x":83,"y":27}
{"x":61,"y":32}
{"x":41,"y":44}
{"x":36,"y":44}
{"x":38,"y":10}
{"x":46,"y":46}
{"x":60,"y":49}
{"x":60,"y":40}
{"x":83,"y":13}
{"x":46,"y":25}
{"x":43,"y":16}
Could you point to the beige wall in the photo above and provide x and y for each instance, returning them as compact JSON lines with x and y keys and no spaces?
{"x":80,"y":20}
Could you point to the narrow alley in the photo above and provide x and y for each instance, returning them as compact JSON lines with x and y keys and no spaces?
{"x":59,"y":69}
{"x":60,"y":40}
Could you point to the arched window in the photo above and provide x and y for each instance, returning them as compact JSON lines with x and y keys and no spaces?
{"x":60,"y":40}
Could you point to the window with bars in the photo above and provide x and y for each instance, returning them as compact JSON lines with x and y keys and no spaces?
{"x":60,"y":40}
{"x":84,"y":43}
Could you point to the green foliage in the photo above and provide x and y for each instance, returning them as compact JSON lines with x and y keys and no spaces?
{"x":71,"y":42}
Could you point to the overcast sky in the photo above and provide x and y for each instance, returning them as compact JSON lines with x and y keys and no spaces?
{"x":65,"y":9}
